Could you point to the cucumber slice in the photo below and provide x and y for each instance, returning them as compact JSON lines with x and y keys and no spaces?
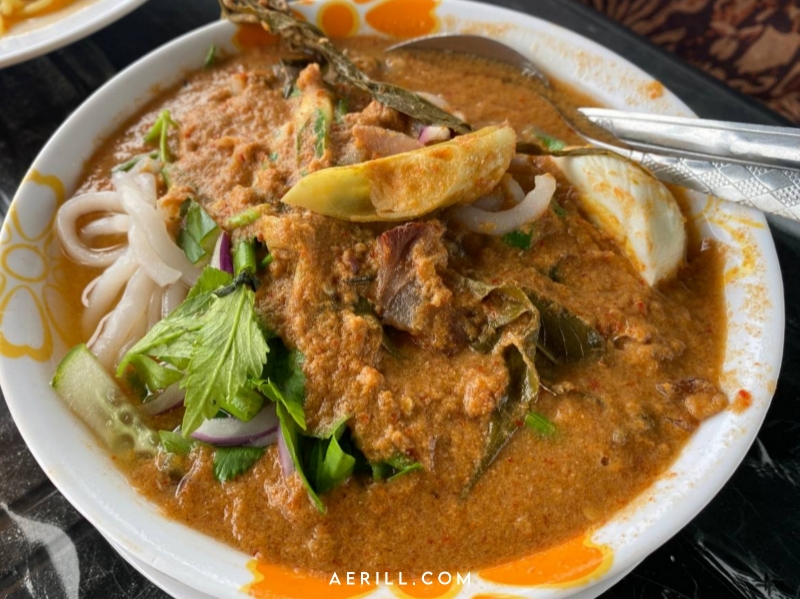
{"x":94,"y":396}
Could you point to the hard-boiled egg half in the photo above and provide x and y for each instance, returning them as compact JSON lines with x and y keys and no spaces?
{"x":635,"y":209}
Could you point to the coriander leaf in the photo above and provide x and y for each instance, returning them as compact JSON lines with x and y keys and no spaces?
{"x":518,"y":239}
{"x":293,"y":406}
{"x":154,"y":375}
{"x":231,"y":462}
{"x":229,"y":349}
{"x":291,"y":436}
{"x":333,"y":465}
{"x":539,"y":423}
{"x":175,"y":443}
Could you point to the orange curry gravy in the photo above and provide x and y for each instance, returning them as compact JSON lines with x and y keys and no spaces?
{"x":432,"y":397}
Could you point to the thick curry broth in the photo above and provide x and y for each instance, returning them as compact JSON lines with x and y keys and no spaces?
{"x":616,"y":431}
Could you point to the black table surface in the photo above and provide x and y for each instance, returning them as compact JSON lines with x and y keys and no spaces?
{"x":745,"y":544}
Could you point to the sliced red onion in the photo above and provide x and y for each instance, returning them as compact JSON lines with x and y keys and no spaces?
{"x":232,"y":431}
{"x":169,"y":398}
{"x":287,"y":464}
{"x":500,"y":223}
{"x":434,"y":134}
{"x":222,"y":258}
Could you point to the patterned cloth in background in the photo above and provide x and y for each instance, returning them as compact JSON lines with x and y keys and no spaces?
{"x":753,"y":45}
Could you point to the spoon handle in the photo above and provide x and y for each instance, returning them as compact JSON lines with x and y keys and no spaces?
{"x":755,"y":165}
{"x":772,"y":190}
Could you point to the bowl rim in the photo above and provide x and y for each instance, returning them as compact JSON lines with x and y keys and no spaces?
{"x":68,"y":28}
{"x":680,"y":515}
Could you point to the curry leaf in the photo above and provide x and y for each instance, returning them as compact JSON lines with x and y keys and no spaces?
{"x":564,"y":336}
{"x":518,"y":239}
{"x":539,"y":423}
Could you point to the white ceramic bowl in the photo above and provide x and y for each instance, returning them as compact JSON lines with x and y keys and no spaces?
{"x":30,"y":340}
{"x":39,"y":35}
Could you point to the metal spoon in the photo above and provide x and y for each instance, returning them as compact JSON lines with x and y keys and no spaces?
{"x":755,"y":165}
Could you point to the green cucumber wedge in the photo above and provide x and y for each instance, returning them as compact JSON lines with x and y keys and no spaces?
{"x":93,"y":395}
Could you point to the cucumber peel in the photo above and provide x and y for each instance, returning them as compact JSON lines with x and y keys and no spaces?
{"x":94,"y":396}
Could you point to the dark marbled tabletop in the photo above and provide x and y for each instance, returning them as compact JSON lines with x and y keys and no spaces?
{"x":744,"y":545}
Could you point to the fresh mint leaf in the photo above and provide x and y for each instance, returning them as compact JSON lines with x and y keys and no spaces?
{"x":231,"y":462}
{"x":518,"y":239}
{"x":175,"y":443}
{"x":154,"y":375}
{"x":209,"y":281}
{"x":229,"y":349}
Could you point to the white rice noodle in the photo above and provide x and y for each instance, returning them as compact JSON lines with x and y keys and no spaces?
{"x":499,"y":223}
{"x":115,"y":224}
{"x":147,"y":277}
{"x":148,"y":258}
{"x":121,"y":324}
{"x":67,"y":228}
{"x":154,"y":309}
{"x":100,"y":294}
{"x":133,"y":190}
{"x":173,"y":296}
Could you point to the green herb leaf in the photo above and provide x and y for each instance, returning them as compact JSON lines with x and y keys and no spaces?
{"x":244,"y":404}
{"x":231,"y":462}
{"x":172,"y":339}
{"x":394,"y":468}
{"x":291,"y":403}
{"x":197,"y":237}
{"x":559,"y":209}
{"x":175,"y":443}
{"x":211,"y":57}
{"x":291,"y":436}
{"x":131,"y":162}
{"x":154,"y":375}
{"x":244,"y":257}
{"x":333,"y":465}
{"x":320,"y":133}
{"x":159,"y":132}
{"x":552,"y":144}
{"x":243,"y":218}
{"x":229,"y":349}
{"x":518,"y":239}
{"x":540,"y":424}
{"x":342,"y":108}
